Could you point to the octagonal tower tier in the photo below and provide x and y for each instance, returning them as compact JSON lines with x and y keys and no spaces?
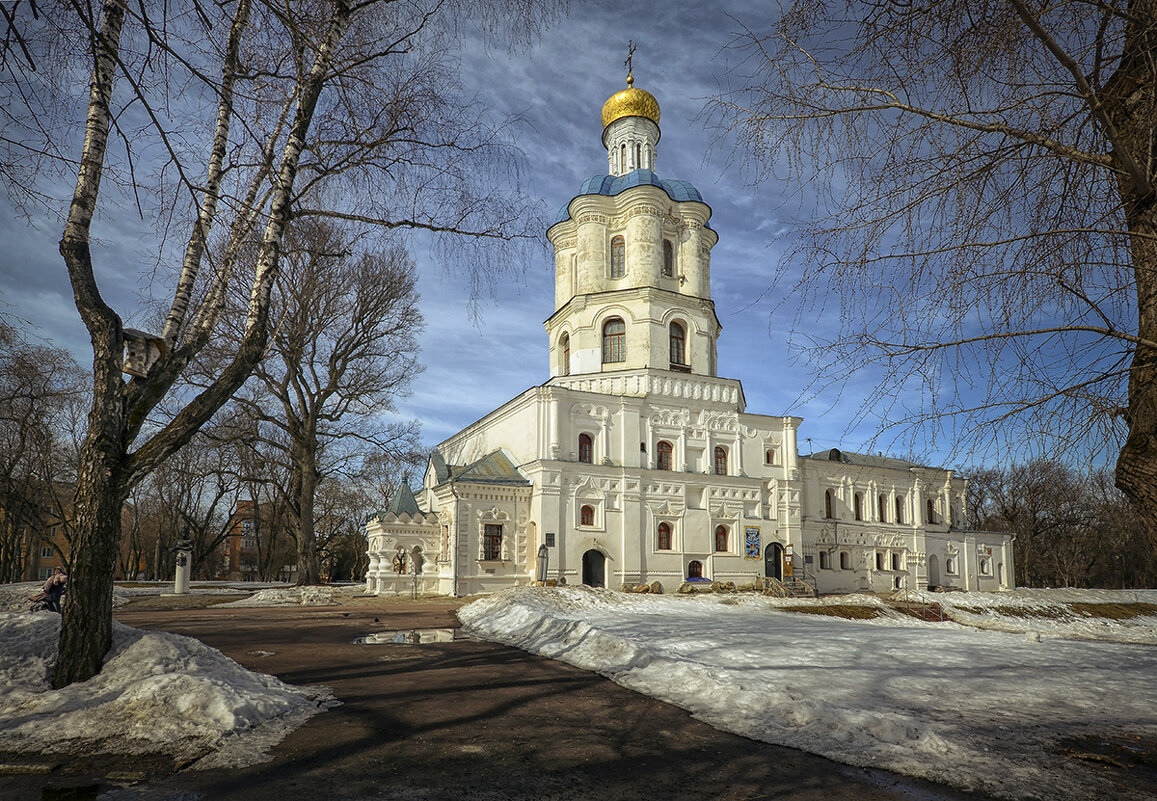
{"x":633,"y":260}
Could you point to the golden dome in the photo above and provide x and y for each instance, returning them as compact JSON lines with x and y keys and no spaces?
{"x":631,"y":102}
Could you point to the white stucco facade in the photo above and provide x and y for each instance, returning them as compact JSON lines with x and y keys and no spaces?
{"x":635,"y":463}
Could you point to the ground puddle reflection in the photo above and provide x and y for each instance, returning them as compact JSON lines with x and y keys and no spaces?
{"x":413,"y":637}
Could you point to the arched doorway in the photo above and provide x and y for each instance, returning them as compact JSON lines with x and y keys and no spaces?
{"x":773,"y":561}
{"x":594,"y":568}
{"x":933,"y":570}
{"x":694,"y":569}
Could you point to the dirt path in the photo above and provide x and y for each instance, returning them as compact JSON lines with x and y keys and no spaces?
{"x":459,"y":720}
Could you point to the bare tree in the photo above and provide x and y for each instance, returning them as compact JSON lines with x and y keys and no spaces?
{"x":1072,"y":529}
{"x":985,"y":172}
{"x":308,"y":104}
{"x":343,"y":350}
{"x":37,"y":385}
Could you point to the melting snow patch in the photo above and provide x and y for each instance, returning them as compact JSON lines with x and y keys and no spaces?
{"x":980,"y":710}
{"x":157,"y":693}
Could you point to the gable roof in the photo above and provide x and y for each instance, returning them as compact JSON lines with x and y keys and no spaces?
{"x":494,"y":468}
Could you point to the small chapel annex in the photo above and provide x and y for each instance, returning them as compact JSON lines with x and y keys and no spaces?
{"x":635,"y":463}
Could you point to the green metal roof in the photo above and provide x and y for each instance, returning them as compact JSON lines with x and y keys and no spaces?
{"x":493,"y":468}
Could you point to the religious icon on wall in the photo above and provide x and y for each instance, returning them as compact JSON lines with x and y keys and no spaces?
{"x":751,"y":549}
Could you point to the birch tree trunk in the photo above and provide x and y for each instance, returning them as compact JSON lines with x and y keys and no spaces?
{"x":109,"y":468}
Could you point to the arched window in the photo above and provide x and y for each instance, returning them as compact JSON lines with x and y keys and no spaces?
{"x":895,"y":561}
{"x":879,"y":561}
{"x":623,"y":157}
{"x":950,"y":565}
{"x":564,"y":346}
{"x":829,"y":504}
{"x":586,"y":448}
{"x":614,"y":340}
{"x":638,"y":155}
{"x":721,"y":538}
{"x":678,"y":345}
{"x":694,"y":569}
{"x":720,"y":460}
{"x":664,"y":540}
{"x":769,"y":456}
{"x":899,"y":509}
{"x":845,"y":561}
{"x":618,"y":257}
{"x":663,"y":453}
{"x":858,"y":503}
{"x":668,"y":258}
{"x":930,"y":512}
{"x":882,"y":507}
{"x":587,"y":516}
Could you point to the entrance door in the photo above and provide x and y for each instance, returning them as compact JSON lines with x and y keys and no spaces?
{"x":773,"y":561}
{"x":933,"y":570}
{"x":594,"y":568}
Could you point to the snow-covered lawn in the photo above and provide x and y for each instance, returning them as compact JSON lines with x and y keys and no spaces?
{"x":976,"y":709}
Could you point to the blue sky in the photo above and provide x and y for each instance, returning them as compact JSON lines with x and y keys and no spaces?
{"x":557,"y":88}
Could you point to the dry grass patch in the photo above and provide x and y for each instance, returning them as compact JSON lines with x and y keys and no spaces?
{"x":1115,"y":611}
{"x":1043,"y":612}
{"x":847,"y":611}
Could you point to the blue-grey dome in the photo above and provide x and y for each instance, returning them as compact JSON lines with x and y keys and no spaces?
{"x":611,"y":185}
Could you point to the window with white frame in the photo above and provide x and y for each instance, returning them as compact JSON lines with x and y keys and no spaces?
{"x":492,"y":542}
{"x":618,"y":257}
{"x":663,"y":455}
{"x":663,"y":537}
{"x":720,"y":460}
{"x":721,"y":539}
{"x":586,"y":448}
{"x":614,"y":341}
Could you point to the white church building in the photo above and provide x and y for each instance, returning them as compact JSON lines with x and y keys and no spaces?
{"x":636,"y":463}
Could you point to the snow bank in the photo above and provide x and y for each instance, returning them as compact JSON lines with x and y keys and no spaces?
{"x":1048,"y":611}
{"x":157,"y":693}
{"x":980,"y":710}
{"x":289,"y":596}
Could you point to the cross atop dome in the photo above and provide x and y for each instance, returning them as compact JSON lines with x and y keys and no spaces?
{"x":631,"y":125}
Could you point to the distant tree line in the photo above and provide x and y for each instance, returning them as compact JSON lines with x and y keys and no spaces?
{"x":1073,"y":528}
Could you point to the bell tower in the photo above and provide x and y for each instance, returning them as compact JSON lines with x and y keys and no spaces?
{"x":632,"y":257}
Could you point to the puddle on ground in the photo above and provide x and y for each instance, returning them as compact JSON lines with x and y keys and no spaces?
{"x":413,"y":637}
